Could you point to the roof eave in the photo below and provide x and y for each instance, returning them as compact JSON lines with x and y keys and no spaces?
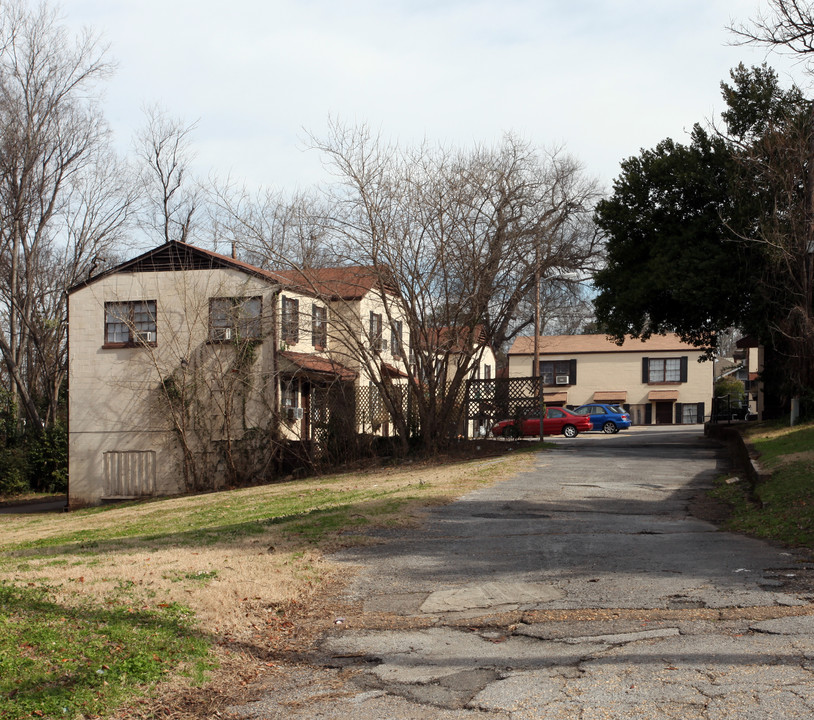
{"x":218,"y":261}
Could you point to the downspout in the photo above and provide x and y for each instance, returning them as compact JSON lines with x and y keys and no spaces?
{"x":275,"y":349}
{"x":68,"y":394}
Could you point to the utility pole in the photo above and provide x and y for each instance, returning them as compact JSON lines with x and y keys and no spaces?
{"x":535,"y":371}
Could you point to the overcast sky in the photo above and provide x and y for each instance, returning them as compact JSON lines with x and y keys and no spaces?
{"x":603,"y":78}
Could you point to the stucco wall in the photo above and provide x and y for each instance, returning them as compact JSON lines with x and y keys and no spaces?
{"x":348,"y":325}
{"x":485,"y":356}
{"x":622,"y":371}
{"x":304,"y":342}
{"x":114,"y":399}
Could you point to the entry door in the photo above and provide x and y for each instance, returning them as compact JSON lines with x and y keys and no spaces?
{"x":664,"y":412}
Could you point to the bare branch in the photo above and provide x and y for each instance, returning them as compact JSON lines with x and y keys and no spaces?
{"x":787,"y":27}
{"x":171,"y":198}
{"x":52,"y":135}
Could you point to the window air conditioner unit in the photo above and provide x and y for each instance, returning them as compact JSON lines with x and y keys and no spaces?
{"x":562,"y":379}
{"x":147,"y":337}
{"x":294,"y":413}
{"x":221,"y":333}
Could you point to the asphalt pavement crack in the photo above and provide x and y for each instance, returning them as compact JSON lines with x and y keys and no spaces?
{"x":532,"y":598}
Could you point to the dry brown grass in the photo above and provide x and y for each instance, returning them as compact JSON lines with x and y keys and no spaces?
{"x":806,"y":456}
{"x":771,"y":429}
{"x":256,"y":595}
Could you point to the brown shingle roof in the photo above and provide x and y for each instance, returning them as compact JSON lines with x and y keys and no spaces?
{"x":574,"y":344}
{"x":339,"y":283}
{"x":318,"y":364}
{"x":393,"y":371}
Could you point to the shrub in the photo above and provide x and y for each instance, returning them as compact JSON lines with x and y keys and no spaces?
{"x":807,"y":405}
{"x":8,"y":418}
{"x":731,"y":387}
{"x":13,"y":471}
{"x":48,"y":460}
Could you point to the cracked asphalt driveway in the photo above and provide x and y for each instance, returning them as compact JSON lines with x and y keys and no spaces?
{"x":582,"y":588}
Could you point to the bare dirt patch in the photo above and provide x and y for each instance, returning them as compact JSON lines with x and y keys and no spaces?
{"x":711,"y":509}
{"x":807,"y":456}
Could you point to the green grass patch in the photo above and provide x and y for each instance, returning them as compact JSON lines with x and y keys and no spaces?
{"x":201,"y":575}
{"x":63,"y":661}
{"x":238,"y":516}
{"x":774,"y":447}
{"x":315,"y":525}
{"x":782,"y":508}
{"x":58,"y":661}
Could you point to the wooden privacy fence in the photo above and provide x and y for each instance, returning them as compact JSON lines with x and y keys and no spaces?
{"x":488,"y":401}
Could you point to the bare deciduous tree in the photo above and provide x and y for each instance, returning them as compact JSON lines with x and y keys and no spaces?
{"x":171,"y":196}
{"x":463,"y":236}
{"x":460,"y":237}
{"x":269,"y":229}
{"x":57,"y":213}
{"x":788,"y":25}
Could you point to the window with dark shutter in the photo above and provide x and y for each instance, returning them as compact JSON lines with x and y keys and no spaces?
{"x":319,"y":327}
{"x":664,"y":370}
{"x":395,"y":338}
{"x":375,"y":331}
{"x":558,"y":372}
{"x":290,"y":320}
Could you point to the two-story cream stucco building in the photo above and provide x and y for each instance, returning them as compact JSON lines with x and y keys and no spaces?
{"x":187,"y":368}
{"x":660,"y":380}
{"x":338,"y":326}
{"x":159,"y":372}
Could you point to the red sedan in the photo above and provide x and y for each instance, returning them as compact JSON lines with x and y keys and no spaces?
{"x":558,"y":421}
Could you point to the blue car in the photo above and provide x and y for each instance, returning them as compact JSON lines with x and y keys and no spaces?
{"x":607,"y":418}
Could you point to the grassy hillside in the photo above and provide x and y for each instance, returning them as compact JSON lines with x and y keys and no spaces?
{"x":101,"y":607}
{"x":781,"y":509}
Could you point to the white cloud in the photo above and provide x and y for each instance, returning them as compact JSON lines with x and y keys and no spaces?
{"x":603,"y":77}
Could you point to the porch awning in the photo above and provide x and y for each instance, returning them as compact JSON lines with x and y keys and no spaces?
{"x":663,"y":395}
{"x":392,"y":371}
{"x":555,"y":397}
{"x":610,"y":396}
{"x":303,"y":363}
